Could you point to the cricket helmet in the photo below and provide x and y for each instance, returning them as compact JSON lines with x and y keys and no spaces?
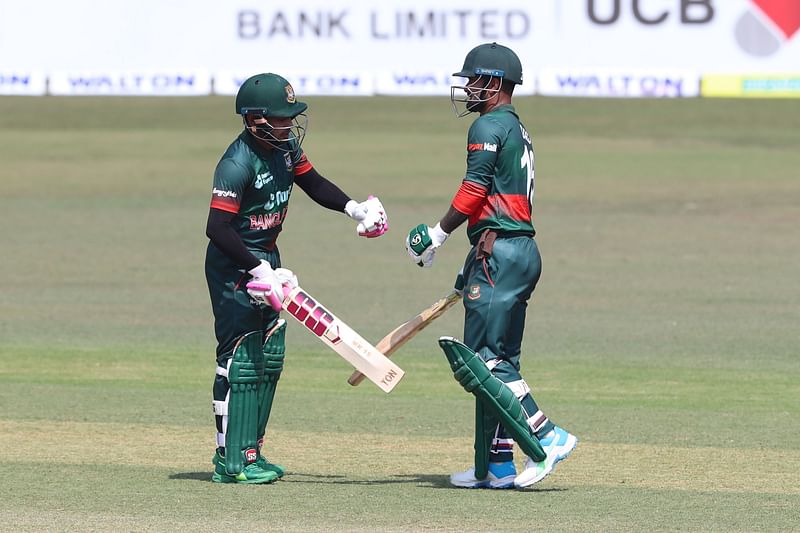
{"x":482,"y":64}
{"x":492,"y":59}
{"x":268,"y":95}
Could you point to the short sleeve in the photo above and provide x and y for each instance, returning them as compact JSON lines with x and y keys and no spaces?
{"x":230,"y":181}
{"x":483,"y":141}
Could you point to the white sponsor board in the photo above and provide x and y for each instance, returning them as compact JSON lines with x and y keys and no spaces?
{"x":431,"y":83}
{"x":331,"y":82}
{"x":130,"y":83}
{"x":416,"y":37}
{"x":618,"y":83}
{"x":22,"y":83}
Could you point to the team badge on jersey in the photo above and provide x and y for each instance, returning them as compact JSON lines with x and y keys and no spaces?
{"x":474,"y":292}
{"x":288,"y":158}
{"x":289,"y":94}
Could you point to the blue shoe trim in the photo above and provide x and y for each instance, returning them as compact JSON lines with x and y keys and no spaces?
{"x":501,"y":470}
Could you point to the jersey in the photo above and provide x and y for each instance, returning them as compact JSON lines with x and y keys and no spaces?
{"x":255,"y":184}
{"x":500,"y":161}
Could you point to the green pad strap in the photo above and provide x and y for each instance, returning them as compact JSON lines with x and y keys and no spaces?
{"x":245,"y":373}
{"x":274,"y":353}
{"x":471,"y":372}
{"x":485,"y":425}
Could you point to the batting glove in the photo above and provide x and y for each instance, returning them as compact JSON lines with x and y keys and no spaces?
{"x":370,"y":215}
{"x":422,"y":243}
{"x":266,"y":287}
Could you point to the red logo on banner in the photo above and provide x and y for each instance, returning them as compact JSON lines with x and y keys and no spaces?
{"x":767,"y":26}
{"x":784,"y":13}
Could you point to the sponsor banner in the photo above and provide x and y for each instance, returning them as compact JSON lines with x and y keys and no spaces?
{"x":131,"y":83}
{"x":737,"y":36}
{"x":431,"y":83}
{"x":618,"y":83}
{"x":752,"y":86}
{"x":307,"y":83}
{"x":22,"y":83}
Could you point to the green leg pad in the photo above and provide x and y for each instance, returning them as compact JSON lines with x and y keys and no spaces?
{"x":485,"y":425}
{"x":274,"y":352}
{"x":472,"y":373}
{"x":245,"y":374}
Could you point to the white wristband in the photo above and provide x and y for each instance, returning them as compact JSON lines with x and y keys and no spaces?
{"x":438,"y":235}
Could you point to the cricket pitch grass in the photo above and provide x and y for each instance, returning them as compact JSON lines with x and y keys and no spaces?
{"x":665,"y":332}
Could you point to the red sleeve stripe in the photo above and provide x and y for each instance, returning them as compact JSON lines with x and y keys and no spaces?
{"x":303,"y":166}
{"x":469,"y":198}
{"x":224,"y":204}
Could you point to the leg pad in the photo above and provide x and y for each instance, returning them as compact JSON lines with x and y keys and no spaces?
{"x":498,"y":399}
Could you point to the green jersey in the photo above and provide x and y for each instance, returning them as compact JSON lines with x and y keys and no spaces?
{"x":500,"y":166}
{"x":255,"y":185}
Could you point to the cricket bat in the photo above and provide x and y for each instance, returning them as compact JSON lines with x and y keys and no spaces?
{"x":367,"y":360}
{"x":407,"y":330}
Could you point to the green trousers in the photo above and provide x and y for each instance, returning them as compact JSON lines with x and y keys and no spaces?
{"x":234,"y":314}
{"x":497,"y":288}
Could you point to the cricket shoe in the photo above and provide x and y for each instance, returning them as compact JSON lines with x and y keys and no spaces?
{"x":264,"y":464}
{"x":251,"y":474}
{"x":501,"y":476}
{"x":557,"y":445}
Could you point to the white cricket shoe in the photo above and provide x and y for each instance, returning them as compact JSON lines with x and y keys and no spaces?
{"x":557,"y":445}
{"x":501,"y":476}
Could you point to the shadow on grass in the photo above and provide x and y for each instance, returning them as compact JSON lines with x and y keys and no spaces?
{"x":422,"y":480}
{"x":192,"y":476}
{"x":433,"y":481}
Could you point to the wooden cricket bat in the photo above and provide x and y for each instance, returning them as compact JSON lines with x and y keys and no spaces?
{"x":407,"y":330}
{"x":367,"y":360}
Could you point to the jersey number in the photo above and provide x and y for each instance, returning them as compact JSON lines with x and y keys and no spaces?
{"x":526,"y":162}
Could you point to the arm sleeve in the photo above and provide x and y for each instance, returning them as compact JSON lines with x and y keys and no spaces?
{"x":321,"y":190}
{"x":224,"y":237}
{"x":483,"y":141}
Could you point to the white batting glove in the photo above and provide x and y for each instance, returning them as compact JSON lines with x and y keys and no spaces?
{"x":422,"y":243}
{"x":287,"y":278}
{"x":266,"y":287}
{"x":370,"y":215}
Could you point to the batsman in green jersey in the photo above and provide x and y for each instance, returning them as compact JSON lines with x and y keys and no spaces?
{"x":499,"y":276}
{"x":249,"y":204}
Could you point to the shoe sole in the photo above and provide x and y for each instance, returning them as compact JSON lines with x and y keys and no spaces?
{"x":506,"y":482}
{"x":560,"y":457}
{"x":219,"y":478}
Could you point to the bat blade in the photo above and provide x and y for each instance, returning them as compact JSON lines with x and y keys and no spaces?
{"x":340,"y":337}
{"x":406,"y":331}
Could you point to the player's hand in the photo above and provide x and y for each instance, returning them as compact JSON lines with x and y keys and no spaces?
{"x":370,"y":215}
{"x":422,"y":243}
{"x":266,"y":287}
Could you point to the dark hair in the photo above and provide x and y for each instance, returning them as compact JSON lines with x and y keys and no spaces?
{"x":507,"y":87}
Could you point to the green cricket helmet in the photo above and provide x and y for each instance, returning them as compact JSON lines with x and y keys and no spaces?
{"x":492,"y":59}
{"x":266,"y":96}
{"x":484,"y":62}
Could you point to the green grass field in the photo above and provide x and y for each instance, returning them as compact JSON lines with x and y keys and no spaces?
{"x":664,"y":332}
